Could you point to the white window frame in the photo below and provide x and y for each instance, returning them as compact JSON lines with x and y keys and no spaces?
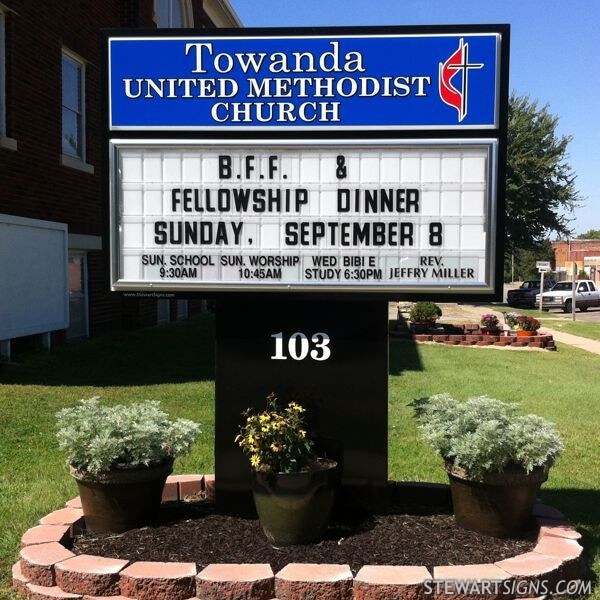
{"x":2,"y":74}
{"x":186,"y":12}
{"x":71,"y":160}
{"x":5,"y":141}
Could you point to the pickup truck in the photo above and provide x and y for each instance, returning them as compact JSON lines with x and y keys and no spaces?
{"x":526,"y":294}
{"x":561,"y":296}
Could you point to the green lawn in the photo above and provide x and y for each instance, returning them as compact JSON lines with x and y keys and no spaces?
{"x":581,"y":328}
{"x":175,"y":364}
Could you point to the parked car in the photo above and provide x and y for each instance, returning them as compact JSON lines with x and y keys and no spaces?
{"x":525,"y":295}
{"x":561,"y":296}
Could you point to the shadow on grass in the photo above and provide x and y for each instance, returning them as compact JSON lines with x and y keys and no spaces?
{"x":582,"y":508}
{"x":404,"y":354}
{"x":175,"y":353}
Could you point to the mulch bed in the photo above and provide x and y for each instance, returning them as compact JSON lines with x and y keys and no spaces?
{"x":195,"y":532}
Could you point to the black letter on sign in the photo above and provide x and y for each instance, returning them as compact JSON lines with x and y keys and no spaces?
{"x":224,"y":167}
{"x":435,"y":234}
{"x":341,"y":170}
{"x":160,"y":233}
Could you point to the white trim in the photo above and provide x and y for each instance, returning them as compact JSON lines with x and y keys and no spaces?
{"x":78,"y":241}
{"x":187,"y":11}
{"x":73,"y":162}
{"x":8,"y":143}
{"x":81,"y":63}
{"x":24,"y":221}
{"x":222,"y":14}
{"x":187,"y":14}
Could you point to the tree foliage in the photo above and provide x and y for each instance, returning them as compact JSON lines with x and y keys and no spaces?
{"x":590,"y":234}
{"x":522,"y":261}
{"x":540,"y":183}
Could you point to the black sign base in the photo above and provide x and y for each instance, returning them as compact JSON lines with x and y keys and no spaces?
{"x":329,"y":356}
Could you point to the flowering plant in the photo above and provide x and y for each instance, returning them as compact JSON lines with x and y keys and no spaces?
{"x":276,"y":439}
{"x":528,"y":323}
{"x":490,"y":321}
{"x":512,"y":319}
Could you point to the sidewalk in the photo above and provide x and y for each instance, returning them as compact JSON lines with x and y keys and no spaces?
{"x":582,"y":343}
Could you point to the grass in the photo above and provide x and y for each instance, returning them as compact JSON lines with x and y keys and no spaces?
{"x":175,"y":365}
{"x":580,"y":328}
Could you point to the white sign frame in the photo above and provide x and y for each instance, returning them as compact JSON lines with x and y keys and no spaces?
{"x":158,"y":287}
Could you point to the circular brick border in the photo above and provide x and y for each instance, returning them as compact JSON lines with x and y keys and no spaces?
{"x":48,"y":569}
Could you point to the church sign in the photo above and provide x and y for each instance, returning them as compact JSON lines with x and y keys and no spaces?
{"x":343,"y":162}
{"x":314,"y":82}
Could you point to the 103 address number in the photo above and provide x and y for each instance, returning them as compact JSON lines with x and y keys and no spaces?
{"x":299,"y":346}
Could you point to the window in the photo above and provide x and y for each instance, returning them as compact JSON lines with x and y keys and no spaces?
{"x":583,"y":287}
{"x":73,"y":106}
{"x":173,"y":13}
{"x":2,"y":78}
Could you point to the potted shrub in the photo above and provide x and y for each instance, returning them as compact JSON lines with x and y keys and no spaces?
{"x":293,"y":489}
{"x":423,"y":315}
{"x":528,"y":326}
{"x":120,"y":457}
{"x":496,"y":459}
{"x":489,"y":324}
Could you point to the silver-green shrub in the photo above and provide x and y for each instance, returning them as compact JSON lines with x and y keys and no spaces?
{"x":99,"y":438}
{"x":483,"y":435}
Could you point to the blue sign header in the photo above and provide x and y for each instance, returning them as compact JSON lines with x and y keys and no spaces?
{"x":443,"y":81}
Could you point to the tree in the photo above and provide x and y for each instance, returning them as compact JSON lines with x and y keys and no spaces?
{"x":540,"y":183}
{"x":591,"y":234}
{"x":522,"y":261}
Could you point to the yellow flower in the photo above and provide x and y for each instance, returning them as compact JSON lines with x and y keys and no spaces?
{"x":264,"y":418}
{"x":265,"y":428}
{"x":277,"y":446}
{"x":255,"y":460}
{"x":302,"y":433}
{"x":250,"y":439}
{"x":296,"y":407}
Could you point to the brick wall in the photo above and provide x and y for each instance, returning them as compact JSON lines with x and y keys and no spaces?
{"x":576,"y":250}
{"x":34,"y":183}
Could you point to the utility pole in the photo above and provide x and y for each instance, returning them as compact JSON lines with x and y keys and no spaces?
{"x":512,"y":267}
{"x":573,"y":293}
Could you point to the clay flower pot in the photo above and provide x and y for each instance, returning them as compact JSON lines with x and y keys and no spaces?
{"x":500,"y":505}
{"x":121,"y":499}
{"x":294,"y":508}
{"x":523,"y":333}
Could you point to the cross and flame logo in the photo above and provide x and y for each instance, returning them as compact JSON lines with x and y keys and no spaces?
{"x":454,"y":79}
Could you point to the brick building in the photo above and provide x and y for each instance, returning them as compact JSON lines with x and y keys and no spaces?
{"x":51,"y":164}
{"x":585,"y":254}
